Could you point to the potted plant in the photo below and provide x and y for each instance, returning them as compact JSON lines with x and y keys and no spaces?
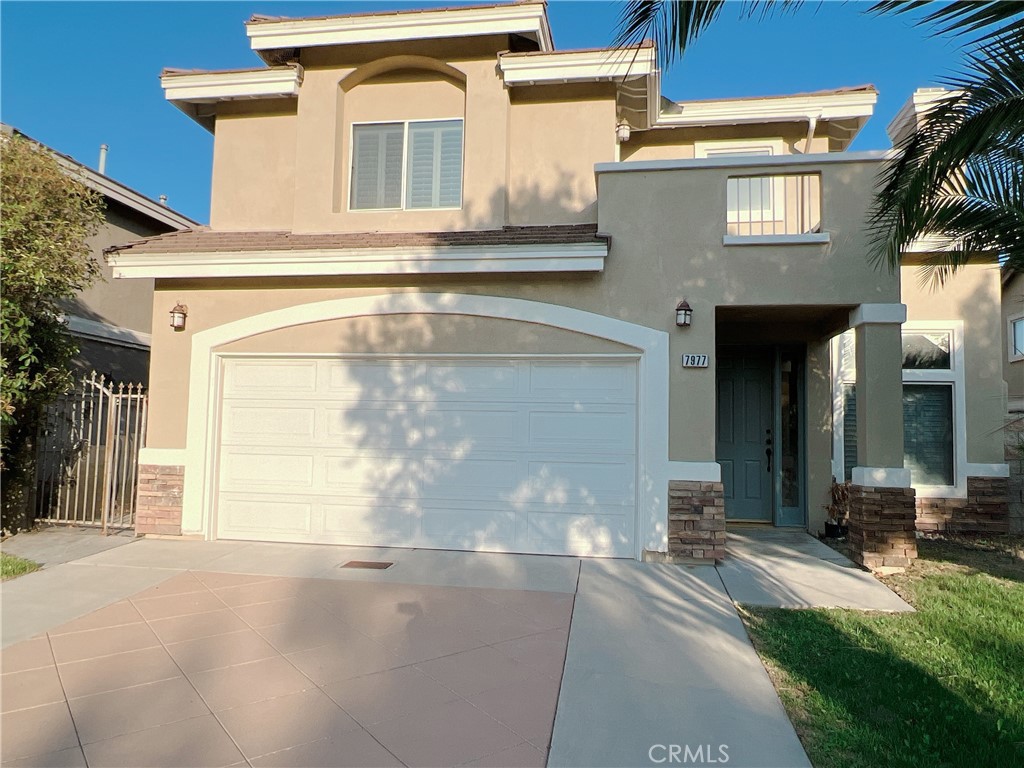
{"x":838,"y":507}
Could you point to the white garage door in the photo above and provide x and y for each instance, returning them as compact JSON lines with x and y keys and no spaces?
{"x":507,"y":455}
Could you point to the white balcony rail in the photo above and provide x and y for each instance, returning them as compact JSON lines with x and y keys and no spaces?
{"x":773,"y":204}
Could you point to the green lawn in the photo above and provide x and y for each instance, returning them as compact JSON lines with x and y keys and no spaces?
{"x":941,"y":687}
{"x":12,"y":566}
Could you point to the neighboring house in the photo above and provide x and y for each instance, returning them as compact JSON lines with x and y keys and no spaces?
{"x":462,"y":290}
{"x":112,"y":319}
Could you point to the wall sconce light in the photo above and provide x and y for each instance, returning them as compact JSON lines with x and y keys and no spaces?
{"x":622,"y":132}
{"x":684,"y":314}
{"x":178,"y":315}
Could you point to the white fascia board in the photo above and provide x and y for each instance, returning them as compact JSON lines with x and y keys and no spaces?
{"x":521,"y":19}
{"x":572,"y":257}
{"x":206,"y":87}
{"x":124,"y":195}
{"x":838,"y":106}
{"x":577,"y":66}
{"x":745,"y":161}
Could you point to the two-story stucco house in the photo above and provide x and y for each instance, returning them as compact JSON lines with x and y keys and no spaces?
{"x":463,"y":290}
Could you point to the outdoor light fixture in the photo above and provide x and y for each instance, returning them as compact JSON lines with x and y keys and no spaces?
{"x":622,"y":132}
{"x":178,"y":315}
{"x":684,"y":314}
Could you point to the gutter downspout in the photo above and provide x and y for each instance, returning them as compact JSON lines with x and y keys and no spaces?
{"x":812,"y":125}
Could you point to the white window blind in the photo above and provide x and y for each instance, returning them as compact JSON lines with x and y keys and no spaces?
{"x":434,"y":168}
{"x":407,"y":165}
{"x":377,"y":166}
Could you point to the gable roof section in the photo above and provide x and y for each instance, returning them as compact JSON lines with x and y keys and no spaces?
{"x":190,"y":89}
{"x":268,"y":35}
{"x":209,"y":253}
{"x":111,"y":189}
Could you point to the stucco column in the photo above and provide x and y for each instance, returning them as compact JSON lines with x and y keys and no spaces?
{"x":882,"y":510}
{"x":880,"y":397}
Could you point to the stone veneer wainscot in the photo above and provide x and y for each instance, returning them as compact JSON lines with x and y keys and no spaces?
{"x":985,"y":510}
{"x":883,"y":526}
{"x":696,"y":520}
{"x":158,"y":508}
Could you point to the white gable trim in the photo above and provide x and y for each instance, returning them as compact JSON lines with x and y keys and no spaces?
{"x":529,"y":19}
{"x":653,"y":373}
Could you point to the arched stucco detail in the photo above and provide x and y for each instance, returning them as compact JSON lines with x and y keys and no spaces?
{"x":392,"y":63}
{"x":653,"y":366}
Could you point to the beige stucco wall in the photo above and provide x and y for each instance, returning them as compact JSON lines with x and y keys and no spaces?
{"x":557,"y":135}
{"x":972,"y":295}
{"x":254,"y":166}
{"x":1012,"y":306}
{"x":424,"y":334}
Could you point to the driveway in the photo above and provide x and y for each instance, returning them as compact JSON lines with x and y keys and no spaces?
{"x":227,"y":653}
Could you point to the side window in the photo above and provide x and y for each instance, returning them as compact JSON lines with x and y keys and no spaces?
{"x":411,"y":165}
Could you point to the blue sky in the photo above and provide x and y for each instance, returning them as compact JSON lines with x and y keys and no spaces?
{"x":76,"y":75}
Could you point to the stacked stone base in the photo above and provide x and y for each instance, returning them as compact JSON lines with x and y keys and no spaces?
{"x":883,"y":530}
{"x":984,"y":511}
{"x":159,"y":501}
{"x":696,"y":521}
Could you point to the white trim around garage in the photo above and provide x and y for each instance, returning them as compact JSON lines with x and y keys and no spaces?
{"x":556,"y":257}
{"x":654,"y":469}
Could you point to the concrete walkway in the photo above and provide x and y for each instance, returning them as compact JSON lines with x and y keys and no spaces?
{"x":783,"y":568}
{"x":657,"y":659}
{"x":56,"y":545}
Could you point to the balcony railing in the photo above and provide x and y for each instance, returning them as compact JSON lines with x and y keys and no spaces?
{"x":774,"y":207}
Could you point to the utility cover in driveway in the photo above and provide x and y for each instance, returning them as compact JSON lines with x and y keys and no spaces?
{"x":493,"y":454}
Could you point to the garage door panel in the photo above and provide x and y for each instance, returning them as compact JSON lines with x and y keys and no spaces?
{"x":247,"y":514}
{"x":462,"y":381}
{"x":454,"y":527}
{"x":370,"y":521}
{"x":245,"y":469}
{"x":584,"y":380}
{"x":589,"y":535}
{"x":372,"y":474}
{"x":558,"y":483}
{"x":267,"y":422}
{"x":485,"y":426}
{"x":396,"y":427}
{"x":375,"y":379}
{"x":260,"y":377}
{"x":585,"y":429}
{"x":472,"y":479}
{"x":518,"y":455}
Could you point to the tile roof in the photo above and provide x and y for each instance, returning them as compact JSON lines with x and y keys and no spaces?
{"x":213,"y":241}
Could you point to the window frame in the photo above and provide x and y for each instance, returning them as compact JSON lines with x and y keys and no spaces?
{"x":405,"y":163}
{"x":748,"y":148}
{"x":1013,"y":357}
{"x":844,"y":372}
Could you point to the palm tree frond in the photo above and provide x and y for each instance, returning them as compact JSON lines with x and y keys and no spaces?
{"x":994,"y":19}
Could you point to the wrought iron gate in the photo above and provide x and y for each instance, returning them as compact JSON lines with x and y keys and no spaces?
{"x":87,"y":454}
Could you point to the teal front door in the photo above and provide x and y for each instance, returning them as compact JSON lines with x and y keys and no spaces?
{"x":744,"y":444}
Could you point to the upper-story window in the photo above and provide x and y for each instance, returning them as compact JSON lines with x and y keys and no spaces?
{"x":416,"y":164}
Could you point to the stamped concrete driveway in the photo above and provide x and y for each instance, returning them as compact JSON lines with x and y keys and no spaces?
{"x":189,"y":653}
{"x":217,"y":669}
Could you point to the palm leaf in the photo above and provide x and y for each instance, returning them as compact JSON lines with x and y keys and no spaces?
{"x":959,"y":175}
{"x":994,"y":19}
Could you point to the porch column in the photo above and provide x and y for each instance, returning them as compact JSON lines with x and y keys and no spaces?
{"x":881,"y":509}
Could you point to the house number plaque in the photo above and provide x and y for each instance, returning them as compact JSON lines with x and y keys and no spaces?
{"x":695,"y":361}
